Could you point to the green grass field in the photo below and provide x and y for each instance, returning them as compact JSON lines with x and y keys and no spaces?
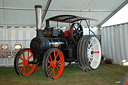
{"x":72,"y":75}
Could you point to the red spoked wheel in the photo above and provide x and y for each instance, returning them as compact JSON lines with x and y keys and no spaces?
{"x":124,"y":80}
{"x":53,"y":63}
{"x":126,"y":83}
{"x":24,"y":62}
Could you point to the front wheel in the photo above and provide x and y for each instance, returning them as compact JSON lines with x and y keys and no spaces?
{"x":53,"y":63}
{"x":24,"y":62}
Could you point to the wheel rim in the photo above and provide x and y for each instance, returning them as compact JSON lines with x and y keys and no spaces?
{"x":55,"y":64}
{"x":23,"y":63}
{"x":93,"y":52}
{"x":126,"y":83}
{"x":76,"y":32}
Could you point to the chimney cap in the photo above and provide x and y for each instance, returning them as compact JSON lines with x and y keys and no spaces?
{"x":38,"y":6}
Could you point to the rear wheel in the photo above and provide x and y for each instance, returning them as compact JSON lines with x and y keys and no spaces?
{"x":89,"y":52}
{"x":93,"y":52}
{"x":53,"y":63}
{"x":24,"y":62}
{"x":79,"y":53}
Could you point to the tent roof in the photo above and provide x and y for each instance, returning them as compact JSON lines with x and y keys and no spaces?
{"x":22,"y":12}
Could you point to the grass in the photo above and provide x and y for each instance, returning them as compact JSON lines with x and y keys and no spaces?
{"x":73,"y":75}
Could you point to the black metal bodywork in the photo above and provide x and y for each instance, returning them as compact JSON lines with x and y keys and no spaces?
{"x":39,"y":45}
{"x":54,"y":38}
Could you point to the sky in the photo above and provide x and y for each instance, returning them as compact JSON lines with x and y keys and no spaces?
{"x":120,"y":17}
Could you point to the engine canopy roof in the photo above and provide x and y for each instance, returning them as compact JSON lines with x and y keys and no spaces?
{"x":68,"y":18}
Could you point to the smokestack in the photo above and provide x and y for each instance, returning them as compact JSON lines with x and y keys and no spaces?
{"x":38,"y":20}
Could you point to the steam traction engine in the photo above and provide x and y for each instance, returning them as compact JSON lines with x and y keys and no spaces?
{"x":53,"y":47}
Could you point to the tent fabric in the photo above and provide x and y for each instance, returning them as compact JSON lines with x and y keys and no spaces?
{"x":114,"y":42}
{"x":22,"y":12}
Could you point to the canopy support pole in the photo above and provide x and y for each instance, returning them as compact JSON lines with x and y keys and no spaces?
{"x":46,"y":9}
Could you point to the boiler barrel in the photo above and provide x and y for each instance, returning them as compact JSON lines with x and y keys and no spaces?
{"x":57,"y":43}
{"x":40,"y":44}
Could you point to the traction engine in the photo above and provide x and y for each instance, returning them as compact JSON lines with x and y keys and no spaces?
{"x":52,"y":47}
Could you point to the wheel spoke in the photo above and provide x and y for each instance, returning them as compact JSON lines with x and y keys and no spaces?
{"x":22,"y":68}
{"x":95,"y":59}
{"x":24,"y":71}
{"x":60,"y":65}
{"x":88,"y":46}
{"x":49,"y":66}
{"x":89,"y":60}
{"x":29,"y":65}
{"x":28,"y":55}
{"x":57,"y":68}
{"x":21,"y":58}
{"x":58,"y":61}
{"x":20,"y":63}
{"x":50,"y":57}
{"x":54,"y":53}
{"x":52,"y":71}
{"x":28,"y":69}
{"x":80,"y":31}
{"x":75,"y":27}
{"x":78,"y":26}
{"x":49,"y":61}
{"x":75,"y":34}
{"x":91,"y":64}
{"x":92,"y":40}
{"x":89,"y":55}
{"x":95,"y":45}
{"x":56,"y":56}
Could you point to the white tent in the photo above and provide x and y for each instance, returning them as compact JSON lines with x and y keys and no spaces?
{"x":17,"y":15}
{"x":22,"y":12}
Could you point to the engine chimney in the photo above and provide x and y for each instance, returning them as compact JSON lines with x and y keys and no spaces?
{"x":38,"y":20}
